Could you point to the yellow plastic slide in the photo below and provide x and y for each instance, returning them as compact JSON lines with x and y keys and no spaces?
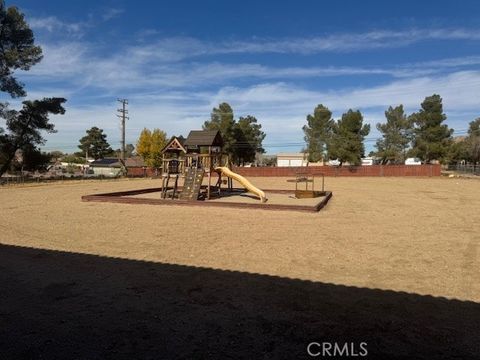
{"x":245,"y":183}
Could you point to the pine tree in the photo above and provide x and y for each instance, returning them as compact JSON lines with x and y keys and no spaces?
{"x":17,"y":49}
{"x":222,"y":119}
{"x":473,"y":141}
{"x":397,"y":133}
{"x":318,"y":133}
{"x":242,"y":139}
{"x":25,"y":126}
{"x":432,"y":137}
{"x":348,"y":136}
{"x":95,"y":144}
{"x":248,"y":139}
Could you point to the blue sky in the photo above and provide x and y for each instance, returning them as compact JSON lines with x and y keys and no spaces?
{"x":276,"y":60}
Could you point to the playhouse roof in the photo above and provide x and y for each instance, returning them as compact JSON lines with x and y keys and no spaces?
{"x":204,"y":138}
{"x":175,"y":144}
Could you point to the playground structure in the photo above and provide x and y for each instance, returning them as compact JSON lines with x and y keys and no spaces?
{"x":200,"y":155}
{"x":194,"y":158}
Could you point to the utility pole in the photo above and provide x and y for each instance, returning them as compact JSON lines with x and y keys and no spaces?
{"x":122,"y":114}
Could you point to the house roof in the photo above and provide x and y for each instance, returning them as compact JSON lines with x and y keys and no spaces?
{"x":134,"y":161}
{"x":204,"y":138}
{"x":107,"y":162}
{"x":175,"y":144}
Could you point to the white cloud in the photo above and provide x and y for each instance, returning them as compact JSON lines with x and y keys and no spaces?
{"x":450,"y":62}
{"x":52,"y":23}
{"x":177,"y":48}
{"x":75,"y":29}
{"x":459,"y":91}
{"x":112,"y":13}
{"x":149,"y":67}
{"x":61,"y":60}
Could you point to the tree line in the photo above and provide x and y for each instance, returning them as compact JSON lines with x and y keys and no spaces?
{"x":242,"y":138}
{"x":422,"y":134}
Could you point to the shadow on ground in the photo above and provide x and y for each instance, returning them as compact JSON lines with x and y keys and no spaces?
{"x":59,"y":305}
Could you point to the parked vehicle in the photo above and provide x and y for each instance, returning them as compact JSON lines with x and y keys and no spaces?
{"x":335,"y":162}
{"x":413,"y":161}
{"x":367,"y":161}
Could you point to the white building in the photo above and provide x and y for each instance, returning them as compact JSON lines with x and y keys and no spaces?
{"x":291,"y":159}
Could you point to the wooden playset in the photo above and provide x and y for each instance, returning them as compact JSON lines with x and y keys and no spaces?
{"x":193,"y":158}
{"x":186,"y":163}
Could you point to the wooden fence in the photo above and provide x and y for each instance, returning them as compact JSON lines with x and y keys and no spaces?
{"x":373,"y":170}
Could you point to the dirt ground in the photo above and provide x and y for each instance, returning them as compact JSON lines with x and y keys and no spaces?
{"x":393,"y":262}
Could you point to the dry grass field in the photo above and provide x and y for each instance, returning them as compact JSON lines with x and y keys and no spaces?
{"x":394,"y":262}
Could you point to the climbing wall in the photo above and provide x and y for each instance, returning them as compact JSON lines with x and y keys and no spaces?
{"x":192,"y":184}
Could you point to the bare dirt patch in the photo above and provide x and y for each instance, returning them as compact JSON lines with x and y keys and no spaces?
{"x":379,"y":261}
